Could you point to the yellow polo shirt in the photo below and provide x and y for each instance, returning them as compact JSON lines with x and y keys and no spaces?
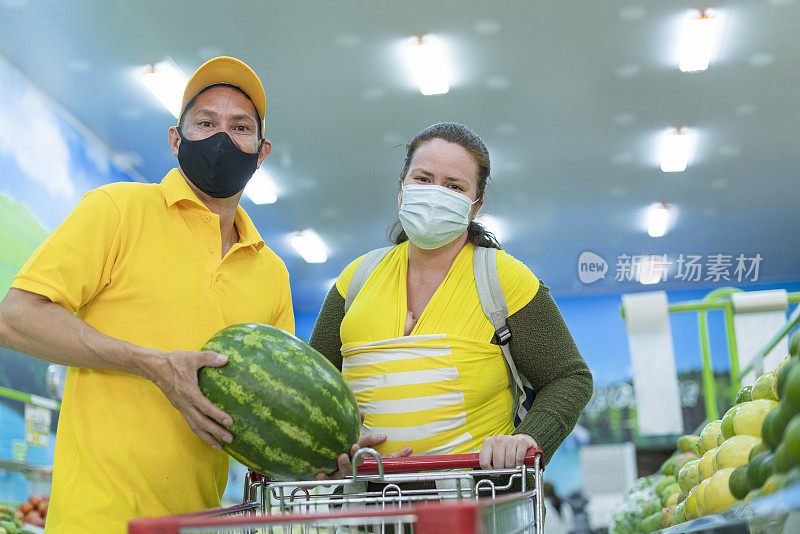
{"x":142,"y":263}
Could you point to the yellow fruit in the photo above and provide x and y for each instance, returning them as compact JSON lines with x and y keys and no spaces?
{"x":752,"y":494}
{"x":726,"y":428}
{"x":735,"y":451}
{"x":685,"y":442}
{"x":750,"y":416}
{"x":665,"y":516}
{"x":690,"y":504}
{"x":668,"y":467}
{"x":717,"y":496}
{"x":678,"y":515}
{"x":701,"y":496}
{"x":689,"y":476}
{"x":706,"y":467}
{"x":682,"y":459}
{"x":772,"y":484}
{"x":663,"y":483}
{"x":694,"y":446}
{"x":708,"y":437}
{"x":775,"y":376}
{"x":762,"y":389}
{"x":672,"y":500}
{"x":670,"y":494}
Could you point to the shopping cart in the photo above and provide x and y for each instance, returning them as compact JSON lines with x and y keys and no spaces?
{"x":420,"y":495}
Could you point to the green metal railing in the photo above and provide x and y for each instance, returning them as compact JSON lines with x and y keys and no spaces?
{"x":794,"y":320}
{"x":36,"y":400}
{"x":719,"y":299}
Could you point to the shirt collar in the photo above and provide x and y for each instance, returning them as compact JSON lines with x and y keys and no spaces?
{"x":248,"y":233}
{"x":175,"y":189}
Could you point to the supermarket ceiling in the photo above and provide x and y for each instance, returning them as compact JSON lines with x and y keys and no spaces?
{"x":571,"y":102}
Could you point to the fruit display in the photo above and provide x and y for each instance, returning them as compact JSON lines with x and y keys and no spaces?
{"x":33,"y":512}
{"x":293,"y":412}
{"x":754,"y":450}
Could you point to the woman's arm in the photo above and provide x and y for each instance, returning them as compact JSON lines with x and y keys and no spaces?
{"x":325,"y":337}
{"x":545,"y":353}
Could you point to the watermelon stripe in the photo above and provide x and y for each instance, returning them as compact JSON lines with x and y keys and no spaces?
{"x":265,"y":413}
{"x":293,"y":411}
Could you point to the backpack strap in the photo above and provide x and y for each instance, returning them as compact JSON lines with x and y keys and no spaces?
{"x":362,"y":272}
{"x":493,"y":302}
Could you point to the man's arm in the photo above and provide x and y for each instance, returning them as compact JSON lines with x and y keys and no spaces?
{"x":32,"y":324}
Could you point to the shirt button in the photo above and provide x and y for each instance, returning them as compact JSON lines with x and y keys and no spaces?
{"x":211,"y":250}
{"x":219,"y":277}
{"x":207,"y":218}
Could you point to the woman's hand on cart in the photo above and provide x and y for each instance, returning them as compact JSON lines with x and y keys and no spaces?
{"x":369,"y":440}
{"x":505,"y":452}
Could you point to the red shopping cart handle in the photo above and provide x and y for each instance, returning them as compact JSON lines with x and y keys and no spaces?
{"x":433,"y":463}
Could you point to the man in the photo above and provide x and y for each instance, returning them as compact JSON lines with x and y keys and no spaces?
{"x":136,"y":279}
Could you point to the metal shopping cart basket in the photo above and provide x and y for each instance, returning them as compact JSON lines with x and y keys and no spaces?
{"x":419,"y":494}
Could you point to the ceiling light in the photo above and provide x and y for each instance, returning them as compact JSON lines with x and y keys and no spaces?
{"x":427,"y":62}
{"x":658,"y":219}
{"x":309,"y":245}
{"x":167,"y":82}
{"x":698,"y":41}
{"x":676,"y":148}
{"x":761,"y":59}
{"x":261,"y":188}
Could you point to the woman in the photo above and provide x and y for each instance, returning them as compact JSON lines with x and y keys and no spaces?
{"x":415,"y":344}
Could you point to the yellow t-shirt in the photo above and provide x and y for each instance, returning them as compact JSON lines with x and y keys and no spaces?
{"x":443,"y":388}
{"x":142,"y":263}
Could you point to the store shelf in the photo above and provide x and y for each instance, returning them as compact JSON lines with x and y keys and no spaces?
{"x":20,"y":467}
{"x":778,"y":512}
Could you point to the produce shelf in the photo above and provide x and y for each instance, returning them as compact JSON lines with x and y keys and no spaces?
{"x":778,"y":513}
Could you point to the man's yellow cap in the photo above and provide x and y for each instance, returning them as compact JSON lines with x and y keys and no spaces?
{"x":228,"y":70}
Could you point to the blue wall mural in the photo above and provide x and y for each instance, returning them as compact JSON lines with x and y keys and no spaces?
{"x":47,"y":161}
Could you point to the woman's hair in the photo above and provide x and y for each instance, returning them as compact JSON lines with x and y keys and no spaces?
{"x":459,"y":134}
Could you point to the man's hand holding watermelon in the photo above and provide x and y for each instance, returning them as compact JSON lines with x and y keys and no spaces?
{"x":176,"y":374}
{"x":32,"y":320}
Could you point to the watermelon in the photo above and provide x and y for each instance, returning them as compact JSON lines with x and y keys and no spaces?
{"x":293,"y":412}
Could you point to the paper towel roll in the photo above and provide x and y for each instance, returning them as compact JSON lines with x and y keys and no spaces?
{"x":760,"y":301}
{"x":655,"y":380}
{"x":758,"y":317}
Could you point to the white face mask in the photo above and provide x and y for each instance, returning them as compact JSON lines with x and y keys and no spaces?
{"x":433,"y":216}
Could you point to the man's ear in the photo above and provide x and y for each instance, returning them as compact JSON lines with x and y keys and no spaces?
{"x":174,"y":139}
{"x":266,"y":148}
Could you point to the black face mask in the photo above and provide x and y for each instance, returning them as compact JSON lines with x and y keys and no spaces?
{"x":216,"y":165}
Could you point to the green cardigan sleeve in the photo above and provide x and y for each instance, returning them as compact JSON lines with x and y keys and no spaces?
{"x":325,"y":337}
{"x":543,"y":351}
